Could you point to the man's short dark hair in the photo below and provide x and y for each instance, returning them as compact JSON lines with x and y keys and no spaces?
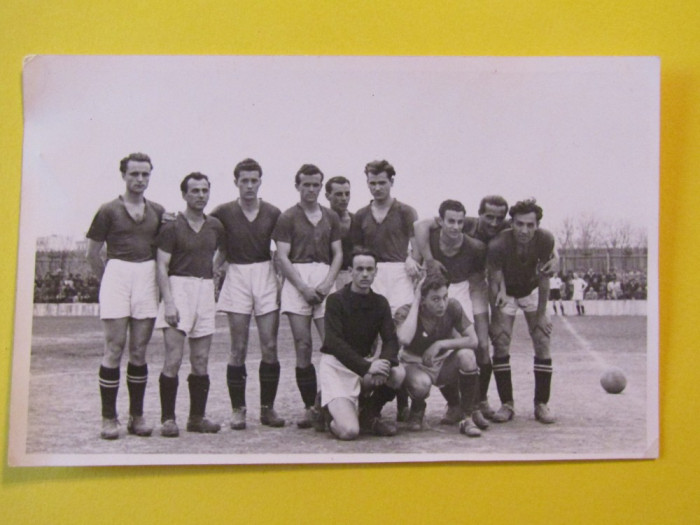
{"x":378,"y":166}
{"x":193,"y":176}
{"x":136,"y":157}
{"x":526,"y":206}
{"x":246,"y":165}
{"x":451,"y":205}
{"x":362,"y":250}
{"x":307,"y":169}
{"x":335,"y":180}
{"x":434,"y":280}
{"x":493,"y":200}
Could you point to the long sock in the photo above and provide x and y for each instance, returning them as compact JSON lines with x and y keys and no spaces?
{"x":199,"y":392}
{"x":109,"y":386}
{"x":583,"y":309}
{"x":485,"y":371}
{"x":468,"y":385}
{"x":380,"y":397}
{"x":236,"y":381}
{"x":269,"y":374}
{"x":306,"y":381}
{"x":451,"y":394}
{"x":543,"y":379}
{"x":501,"y":373}
{"x":168,"y":395}
{"x":136,"y":379}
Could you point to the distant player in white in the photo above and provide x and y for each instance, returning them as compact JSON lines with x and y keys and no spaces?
{"x":128,"y":292}
{"x":250,"y":288}
{"x":555,"y":284}
{"x":309,"y":254}
{"x":579,"y":288}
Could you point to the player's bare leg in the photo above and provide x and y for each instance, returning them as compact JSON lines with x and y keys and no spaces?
{"x":501,"y":331}
{"x":198,"y":381}
{"x":344,"y":424}
{"x":236,"y":374}
{"x":483,"y":359}
{"x":305,"y":370}
{"x":269,"y":372}
{"x":542,"y":369}
{"x":115,"y":331}
{"x":174,"y":340}
{"x":460,"y":369}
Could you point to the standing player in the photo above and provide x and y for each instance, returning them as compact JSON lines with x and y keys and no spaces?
{"x":437,"y":341}
{"x":385,"y":226}
{"x":186,"y":249}
{"x":491,"y":220}
{"x":250,"y":288}
{"x":309,"y":254}
{"x":128,"y":292}
{"x":555,"y":284}
{"x":579,"y":286}
{"x":338,"y":195}
{"x":355,"y":316}
{"x":515,"y":258}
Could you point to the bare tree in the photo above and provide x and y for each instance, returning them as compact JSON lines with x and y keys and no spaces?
{"x":618,"y":234}
{"x":588,"y":232}
{"x":566,"y":233}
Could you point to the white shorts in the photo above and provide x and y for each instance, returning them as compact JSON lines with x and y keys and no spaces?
{"x":460,"y":291}
{"x":338,"y":381}
{"x":392,"y":281}
{"x":291,"y":300}
{"x":194,"y":300}
{"x":526,"y":304}
{"x":344,"y":277}
{"x":479,"y":293}
{"x":249,"y":289}
{"x":129,"y":289}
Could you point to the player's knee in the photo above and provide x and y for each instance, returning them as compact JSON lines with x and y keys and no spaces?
{"x":500,"y":340}
{"x":345,"y":431}
{"x":466,"y":360}
{"x":418,"y":386}
{"x":268,"y":351}
{"x":540,"y":341}
{"x":396,"y":377}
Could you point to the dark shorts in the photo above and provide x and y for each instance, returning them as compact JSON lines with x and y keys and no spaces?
{"x":555,"y":295}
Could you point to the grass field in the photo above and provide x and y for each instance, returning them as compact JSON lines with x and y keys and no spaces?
{"x":64,"y":413}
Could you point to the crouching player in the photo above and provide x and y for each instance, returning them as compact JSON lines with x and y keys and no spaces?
{"x":433,"y":354}
{"x":186,"y":249}
{"x":355,"y":315}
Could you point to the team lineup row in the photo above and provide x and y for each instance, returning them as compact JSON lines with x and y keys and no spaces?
{"x":416,"y":302}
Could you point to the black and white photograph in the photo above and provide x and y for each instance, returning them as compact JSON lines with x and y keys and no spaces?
{"x":316,"y":259}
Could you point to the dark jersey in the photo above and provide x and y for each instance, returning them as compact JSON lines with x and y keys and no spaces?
{"x":308,"y":242}
{"x":247,"y":241}
{"x":353,"y":322}
{"x":471,"y":228}
{"x":191,"y":252}
{"x":430,"y":330}
{"x":520,"y":272}
{"x":388,"y":239}
{"x":470,"y":259}
{"x":126,"y":238}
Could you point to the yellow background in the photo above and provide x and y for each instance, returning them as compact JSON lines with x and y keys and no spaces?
{"x":659,"y":491}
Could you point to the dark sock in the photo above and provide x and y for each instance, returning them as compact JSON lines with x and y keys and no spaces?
{"x":451,"y":394}
{"x":199,"y":392}
{"x":236,"y":381}
{"x":306,"y":381}
{"x":136,"y":379}
{"x":401,"y":400}
{"x":380,"y":397}
{"x":501,"y":373}
{"x":269,"y":379}
{"x":168,"y":395}
{"x":468,"y":385}
{"x":543,"y":379}
{"x":109,"y":386}
{"x":485,"y":371}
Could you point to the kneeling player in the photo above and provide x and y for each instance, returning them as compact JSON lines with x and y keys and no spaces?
{"x":186,"y":249}
{"x":431,"y":353}
{"x":355,"y":315}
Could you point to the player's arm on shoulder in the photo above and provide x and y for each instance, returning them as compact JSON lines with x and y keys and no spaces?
{"x":172,"y":316}
{"x":94,"y":257}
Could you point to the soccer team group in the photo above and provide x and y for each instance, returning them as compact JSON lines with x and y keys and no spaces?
{"x":400,"y":304}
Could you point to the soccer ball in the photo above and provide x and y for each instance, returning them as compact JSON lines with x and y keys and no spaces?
{"x":613,"y":380}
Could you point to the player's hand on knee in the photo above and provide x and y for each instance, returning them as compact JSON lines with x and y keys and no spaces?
{"x":380,"y":367}
{"x":544,"y":325}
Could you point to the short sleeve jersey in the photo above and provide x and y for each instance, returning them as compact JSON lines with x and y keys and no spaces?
{"x":520,"y":272}
{"x":127,"y":239}
{"x":247,"y":241}
{"x":433,"y":329}
{"x":388,"y":239}
{"x":470,"y":259}
{"x":191,"y":252}
{"x":308,"y":242}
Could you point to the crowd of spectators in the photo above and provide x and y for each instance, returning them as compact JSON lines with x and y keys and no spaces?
{"x":56,"y":287}
{"x":611,"y":286}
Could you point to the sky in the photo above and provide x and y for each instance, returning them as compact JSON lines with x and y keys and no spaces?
{"x":579,"y":134}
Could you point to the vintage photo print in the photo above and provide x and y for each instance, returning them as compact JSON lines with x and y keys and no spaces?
{"x":270,"y":259}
